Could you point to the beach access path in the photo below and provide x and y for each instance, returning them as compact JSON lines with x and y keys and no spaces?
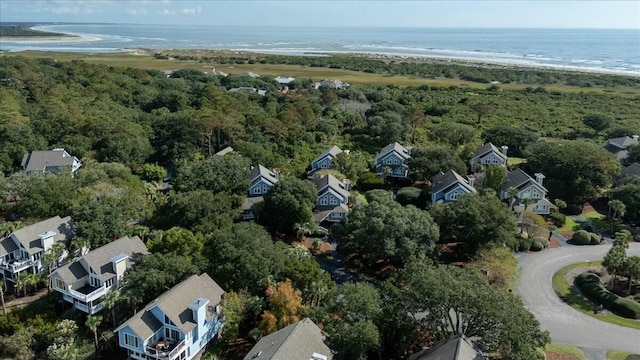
{"x":565,"y":324}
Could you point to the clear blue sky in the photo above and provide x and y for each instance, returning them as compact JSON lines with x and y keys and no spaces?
{"x":496,"y":14}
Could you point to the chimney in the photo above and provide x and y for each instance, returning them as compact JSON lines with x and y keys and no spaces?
{"x":199,"y":310}
{"x":504,"y":149}
{"x":539,"y":178}
{"x":635,"y":137}
{"x":409,"y":149}
{"x":119,"y":266}
{"x":346,"y":183}
{"x":471,"y":179}
{"x":46,"y":239}
{"x":276,"y":173}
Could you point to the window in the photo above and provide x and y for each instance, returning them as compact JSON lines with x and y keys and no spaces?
{"x":175,"y":335}
{"x":109,"y":283}
{"x":333,"y":201}
{"x":324,"y":201}
{"x":194,"y":333}
{"x":167,"y":321}
{"x":131,"y":340}
{"x":37,"y":256}
{"x":59,"y":284}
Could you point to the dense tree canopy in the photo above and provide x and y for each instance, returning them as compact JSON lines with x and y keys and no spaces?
{"x":288,"y":203}
{"x":431,"y":160}
{"x":575,"y":171}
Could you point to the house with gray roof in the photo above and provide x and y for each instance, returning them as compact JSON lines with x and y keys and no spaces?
{"x":224,"y":151}
{"x":87,"y":279}
{"x":618,"y":146}
{"x":489,"y":154}
{"x":250,"y":74}
{"x":261,"y":181}
{"x":284,"y":80}
{"x":628,"y":172}
{"x":326,"y":159}
{"x":458,"y":347}
{"x":333,"y":199}
{"x":527,"y":188}
{"x":394,"y":157}
{"x":299,"y":341}
{"x":22,"y":250}
{"x":447,"y":187}
{"x":335,"y":84}
{"x":49,"y":161}
{"x":177,"y":324}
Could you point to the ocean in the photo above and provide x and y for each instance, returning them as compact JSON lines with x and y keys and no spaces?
{"x":601,"y":50}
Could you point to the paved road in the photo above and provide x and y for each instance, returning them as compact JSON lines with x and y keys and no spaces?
{"x":565,"y":324}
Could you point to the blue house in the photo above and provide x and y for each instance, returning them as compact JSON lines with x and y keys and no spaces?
{"x":446,"y":187}
{"x":393,"y":157}
{"x":326,"y":159}
{"x":177,"y":325}
{"x":262,"y":179}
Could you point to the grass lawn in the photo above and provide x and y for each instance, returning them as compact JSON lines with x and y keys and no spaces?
{"x":516,"y":161}
{"x":619,"y":355}
{"x":148,"y":62}
{"x":570,"y":295}
{"x":568,"y":352}
{"x":570,"y":226}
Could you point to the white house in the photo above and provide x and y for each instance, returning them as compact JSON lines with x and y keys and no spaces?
{"x":527,"y":188}
{"x":177,"y":325}
{"x":22,"y":250}
{"x":86,"y":280}
{"x":49,"y":161}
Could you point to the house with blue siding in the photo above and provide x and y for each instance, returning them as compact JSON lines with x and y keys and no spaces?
{"x":447,"y":187}
{"x":393,"y":157}
{"x":177,"y":325}
{"x":333,"y":199}
{"x":527,"y":188}
{"x":262,"y":180}
{"x":489,"y":154}
{"x":326,"y":159}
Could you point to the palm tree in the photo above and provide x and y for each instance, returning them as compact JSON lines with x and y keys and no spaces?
{"x":4,"y":308}
{"x":32,"y":280}
{"x":51,"y":257}
{"x":632,"y":266}
{"x":512,"y":192}
{"x":110,"y":300}
{"x":618,"y":209}
{"x":526,"y":202}
{"x":21,"y":282}
{"x":302,"y":229}
{"x":92,"y":324}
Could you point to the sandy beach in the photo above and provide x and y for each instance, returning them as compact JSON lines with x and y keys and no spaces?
{"x":47,"y":39}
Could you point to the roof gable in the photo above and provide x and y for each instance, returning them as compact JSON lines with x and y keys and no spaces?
{"x":631,"y":170}
{"x":43,"y":160}
{"x":100,"y":259}
{"x":518,"y":179}
{"x":330,"y":182}
{"x":487,"y":148}
{"x":443,"y":181}
{"x":262,"y":173}
{"x":332,"y":152}
{"x":458,"y":347}
{"x":28,"y":236}
{"x":297,"y":341}
{"x":394,"y":147}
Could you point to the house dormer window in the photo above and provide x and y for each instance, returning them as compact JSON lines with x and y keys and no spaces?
{"x":131,"y":340}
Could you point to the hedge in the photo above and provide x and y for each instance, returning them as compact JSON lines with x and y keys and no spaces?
{"x":558,"y":219}
{"x":525,"y":244}
{"x":582,"y":237}
{"x":590,"y":285}
{"x":595,"y":238}
{"x":539,"y":244}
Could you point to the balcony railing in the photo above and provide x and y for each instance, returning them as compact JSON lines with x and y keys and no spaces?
{"x":165,"y":353}
{"x":90,"y":296}
{"x":88,"y":309}
{"x":16,"y":265}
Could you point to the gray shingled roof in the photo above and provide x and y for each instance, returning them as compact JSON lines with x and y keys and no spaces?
{"x":446,"y":180}
{"x":100,"y":258}
{"x":43,"y":160}
{"x":174,"y":303}
{"x":295,"y":342}
{"x":224,"y":151}
{"x":623,"y":142}
{"x":28,"y":236}
{"x":458,"y":347}
{"x":486,"y":148}
{"x":631,"y":170}
{"x":7,"y":245}
{"x":70,"y":273}
{"x":401,"y":150}
{"x":259,"y":172}
{"x":333,"y":151}
{"x":332,"y":182}
{"x":517,"y":179}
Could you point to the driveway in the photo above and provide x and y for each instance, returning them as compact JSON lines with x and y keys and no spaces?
{"x":565,"y":324}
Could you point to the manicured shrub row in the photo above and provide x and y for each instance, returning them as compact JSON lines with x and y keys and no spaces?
{"x":536,"y":244}
{"x":590,"y":285}
{"x":583,"y":237}
{"x":558,"y":219}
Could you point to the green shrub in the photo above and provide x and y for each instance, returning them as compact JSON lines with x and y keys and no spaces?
{"x":539,"y":244}
{"x":410,"y":196}
{"x":595,"y":239}
{"x":369,"y":181}
{"x":558,"y":219}
{"x":573,"y":209}
{"x":591,"y":286}
{"x":525,"y":244}
{"x":582,"y":237}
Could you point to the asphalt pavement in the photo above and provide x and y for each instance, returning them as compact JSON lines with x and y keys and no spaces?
{"x":565,"y":324}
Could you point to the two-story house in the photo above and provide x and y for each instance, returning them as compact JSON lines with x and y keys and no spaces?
{"x":446,"y":187}
{"x":526,"y":188}
{"x":86,"y":280}
{"x":176,"y":325}
{"x":333,"y":199}
{"x":489,"y":154}
{"x":326,"y":160}
{"x":22,"y":250}
{"x":299,"y":341}
{"x":49,"y":161}
{"x":394,"y":157}
{"x":261,"y":181}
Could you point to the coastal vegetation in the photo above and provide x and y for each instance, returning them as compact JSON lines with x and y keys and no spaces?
{"x":134,"y":128}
